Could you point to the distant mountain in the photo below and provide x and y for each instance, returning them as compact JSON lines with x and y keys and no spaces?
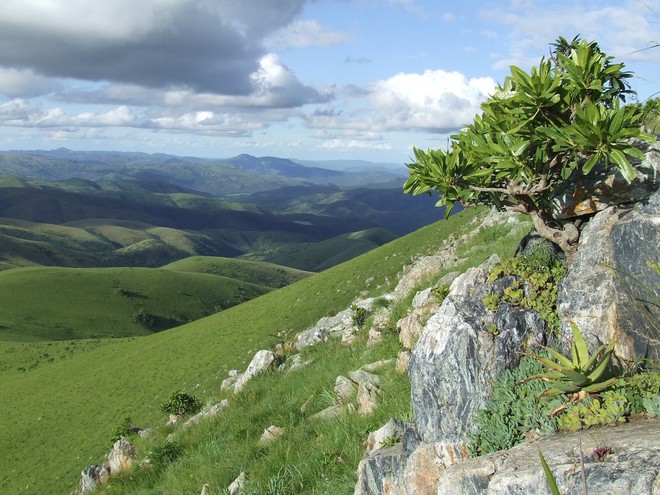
{"x":243,"y":174}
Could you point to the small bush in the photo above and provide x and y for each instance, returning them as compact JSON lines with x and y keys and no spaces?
{"x":164,"y":455}
{"x":181,"y":404}
{"x":125,"y":429}
{"x":144,"y":318}
{"x":441,"y":292}
{"x":359,"y":316}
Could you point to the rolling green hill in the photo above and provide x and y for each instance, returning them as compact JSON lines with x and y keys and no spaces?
{"x":61,"y":414}
{"x":80,"y":223}
{"x":92,"y":303}
{"x":321,"y":255}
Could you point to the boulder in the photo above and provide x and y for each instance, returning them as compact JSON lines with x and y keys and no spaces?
{"x":410,"y":328}
{"x":402,"y":361}
{"x":330,"y":412}
{"x":91,"y":477}
{"x":456,"y":360}
{"x":367,"y":398}
{"x":121,"y":456}
{"x":237,"y":485}
{"x":633,"y":467}
{"x":262,"y":361}
{"x":390,"y":433}
{"x":345,"y":389}
{"x":270,"y":434}
{"x":605,"y":186}
{"x":610,"y":292}
{"x":376,"y":365}
{"x":364,"y":377}
{"x":382,"y":474}
{"x":325,"y":328}
{"x":206,"y":413}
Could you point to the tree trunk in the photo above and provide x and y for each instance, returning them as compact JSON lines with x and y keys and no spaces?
{"x":566,"y":238}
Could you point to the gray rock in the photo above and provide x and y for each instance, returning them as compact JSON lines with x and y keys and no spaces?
{"x":382,"y":474}
{"x":206,"y":413}
{"x":262,"y":361}
{"x":271,"y":434}
{"x":367,"y":398}
{"x":325,"y":328}
{"x":228,"y":382}
{"x":632,"y":468}
{"x":423,"y":268}
{"x":410,"y":328}
{"x":391,"y":432}
{"x":456,"y":361}
{"x":91,"y":477}
{"x":330,"y":412}
{"x":121,"y":456}
{"x":345,"y":389}
{"x":610,"y":292}
{"x":364,"y":377}
{"x":605,"y":186}
{"x":237,"y":485}
{"x":402,"y":361}
{"x":377,"y":365}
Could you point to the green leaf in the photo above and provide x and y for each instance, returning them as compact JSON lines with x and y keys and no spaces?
{"x":623,"y":165}
{"x":581,"y":352}
{"x":550,"y":478}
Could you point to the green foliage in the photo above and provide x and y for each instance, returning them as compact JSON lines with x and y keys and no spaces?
{"x":359,"y":316}
{"x":579,"y":376}
{"x":164,"y":455}
{"x":535,"y":132}
{"x":550,"y":478}
{"x":144,"y":318}
{"x":125,"y":429}
{"x":541,"y":274}
{"x":441,"y":292}
{"x":512,"y":411}
{"x":632,"y":395}
{"x":181,"y":404}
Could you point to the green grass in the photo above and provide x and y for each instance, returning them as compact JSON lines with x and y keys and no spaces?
{"x":61,"y":414}
{"x":321,"y":255}
{"x":82,"y":303}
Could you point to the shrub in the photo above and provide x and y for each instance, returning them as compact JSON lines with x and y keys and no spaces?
{"x":144,"y":318}
{"x":359,"y":316}
{"x":125,"y":429}
{"x":164,"y":455}
{"x":181,"y":404}
{"x":512,"y":411}
{"x":537,"y":131}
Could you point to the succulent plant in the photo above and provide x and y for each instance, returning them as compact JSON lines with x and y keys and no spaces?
{"x":577,"y":377}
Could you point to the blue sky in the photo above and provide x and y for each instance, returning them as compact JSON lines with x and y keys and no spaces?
{"x":308,"y":79}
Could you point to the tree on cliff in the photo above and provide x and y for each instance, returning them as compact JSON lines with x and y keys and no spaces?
{"x":537,"y":131}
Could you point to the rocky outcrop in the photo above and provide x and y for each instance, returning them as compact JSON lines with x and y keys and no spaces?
{"x":237,"y":485}
{"x":261,"y":362}
{"x":270,"y":434}
{"x":206,"y":413}
{"x":633,"y":467}
{"x":119,"y":459}
{"x":610,"y":292}
{"x":456,"y":360}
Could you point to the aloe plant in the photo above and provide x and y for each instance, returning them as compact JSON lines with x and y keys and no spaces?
{"x":577,"y":377}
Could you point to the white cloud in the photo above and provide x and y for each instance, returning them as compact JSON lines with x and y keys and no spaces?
{"x":25,"y":83}
{"x":434,"y":100}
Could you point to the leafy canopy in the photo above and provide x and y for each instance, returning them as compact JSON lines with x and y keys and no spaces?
{"x":536,"y":130}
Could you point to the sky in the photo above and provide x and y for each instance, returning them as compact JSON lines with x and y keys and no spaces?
{"x":305,"y":79}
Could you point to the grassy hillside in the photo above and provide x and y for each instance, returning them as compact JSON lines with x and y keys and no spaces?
{"x":92,"y":303}
{"x":80,"y":223}
{"x":318,"y":256}
{"x":255,"y":272}
{"x":61,"y":415}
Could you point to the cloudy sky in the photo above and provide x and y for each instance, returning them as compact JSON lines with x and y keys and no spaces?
{"x":309,"y":79}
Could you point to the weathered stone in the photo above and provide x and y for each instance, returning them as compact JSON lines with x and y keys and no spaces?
{"x":633,"y":467}
{"x":377,"y":365}
{"x":262,"y":361}
{"x":121,"y":456}
{"x":375,"y":336}
{"x":237,"y":485}
{"x":91,"y":477}
{"x":172,"y":419}
{"x":423,"y":268}
{"x":345,"y":389}
{"x":362,"y":377}
{"x":605,"y":186}
{"x":205,"y":489}
{"x":330,"y":412}
{"x":609,"y":291}
{"x":425,"y":465}
{"x":456,"y":361}
{"x":296,"y":362}
{"x":325,"y":328}
{"x":271,"y":434}
{"x":206,"y":413}
{"x":367,"y":398}
{"x":402,"y":361}
{"x":145,"y":432}
{"x":381,"y":474}
{"x":228,"y":382}
{"x":390,"y":433}
{"x":410,"y":328}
